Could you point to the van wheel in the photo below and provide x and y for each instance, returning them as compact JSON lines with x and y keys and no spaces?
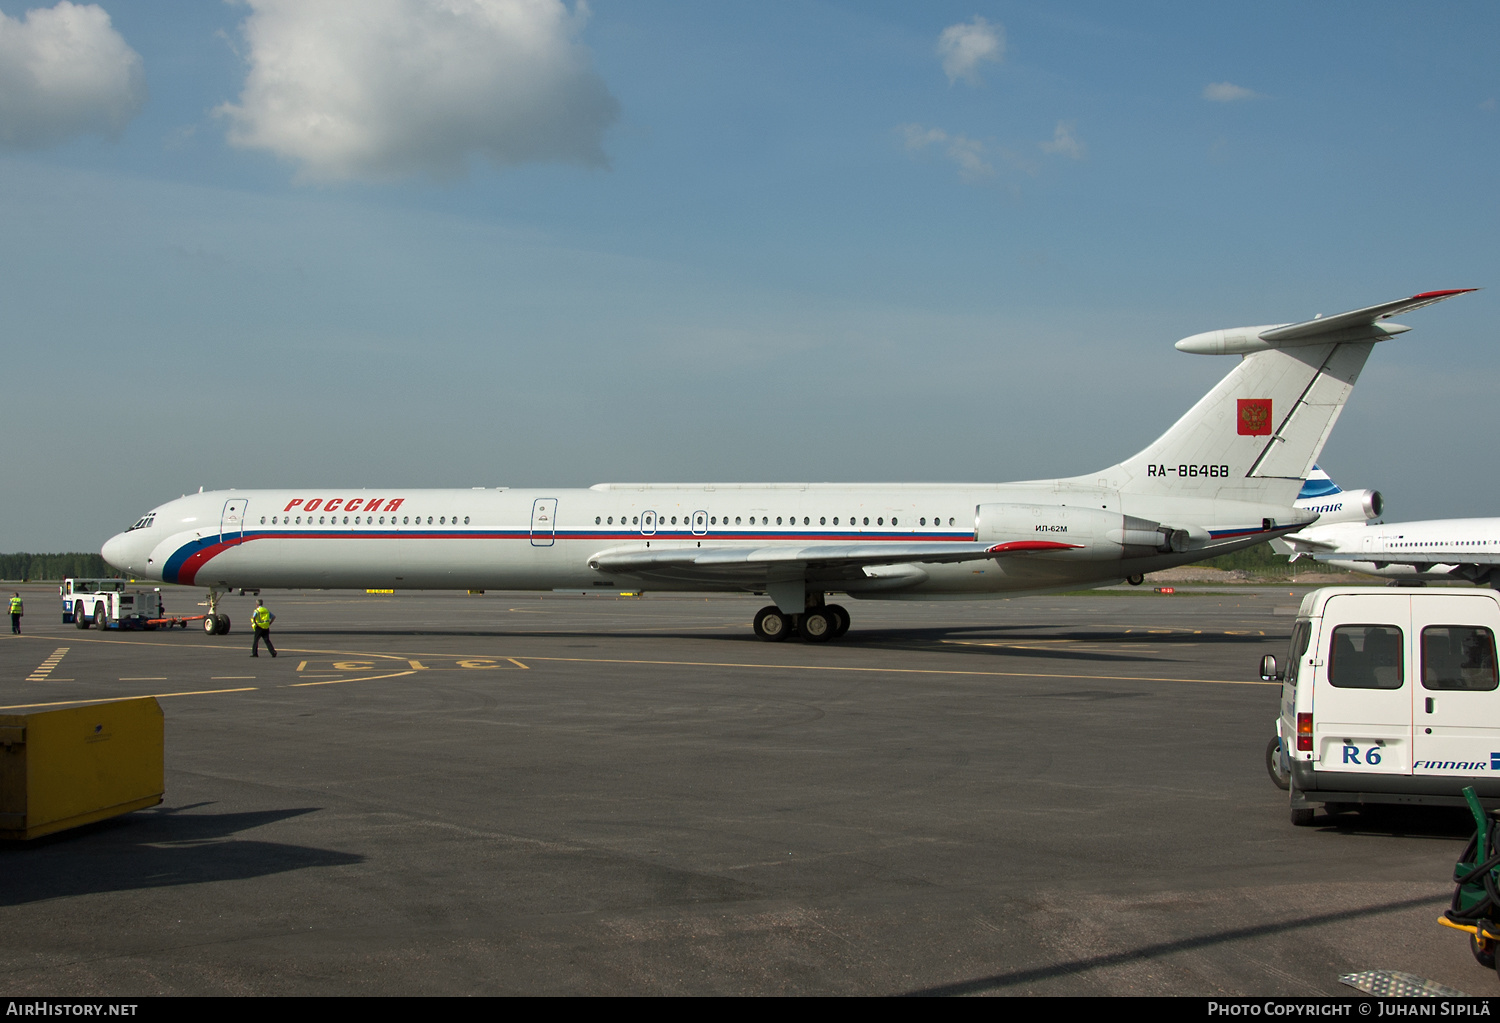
{"x":1302,"y":817}
{"x":1282,"y":780}
{"x":1484,"y":952}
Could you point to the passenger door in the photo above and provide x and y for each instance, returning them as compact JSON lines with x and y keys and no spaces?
{"x":1458,"y":697}
{"x":1362,"y":707}
{"x":543,"y":521}
{"x":232,"y":521}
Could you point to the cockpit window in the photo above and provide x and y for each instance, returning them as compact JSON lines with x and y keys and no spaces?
{"x":144,"y":523}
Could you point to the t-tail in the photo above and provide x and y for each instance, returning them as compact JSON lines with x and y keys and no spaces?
{"x":1257,"y":435}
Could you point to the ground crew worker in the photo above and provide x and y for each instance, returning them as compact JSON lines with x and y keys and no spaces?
{"x":261,"y":620}
{"x":16,"y":611}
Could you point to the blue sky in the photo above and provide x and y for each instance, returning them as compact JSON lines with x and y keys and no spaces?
{"x":553,"y":246}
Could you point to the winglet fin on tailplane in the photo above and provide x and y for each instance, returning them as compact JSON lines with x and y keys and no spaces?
{"x":1257,"y":434}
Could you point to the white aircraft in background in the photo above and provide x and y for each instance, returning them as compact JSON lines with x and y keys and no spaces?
{"x":1224,"y":476}
{"x":1459,"y":549}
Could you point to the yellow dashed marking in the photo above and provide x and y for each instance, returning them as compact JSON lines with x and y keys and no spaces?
{"x":45,"y":668}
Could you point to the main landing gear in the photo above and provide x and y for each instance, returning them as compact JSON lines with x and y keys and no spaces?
{"x":816,"y":624}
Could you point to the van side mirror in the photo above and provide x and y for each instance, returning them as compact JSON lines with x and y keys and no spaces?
{"x":1268,"y":670}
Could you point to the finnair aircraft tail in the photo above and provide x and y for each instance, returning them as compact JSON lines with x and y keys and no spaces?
{"x":1332,"y":503}
{"x":1224,"y":476}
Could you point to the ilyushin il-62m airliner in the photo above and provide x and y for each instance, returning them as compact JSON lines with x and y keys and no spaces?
{"x":1224,"y":476}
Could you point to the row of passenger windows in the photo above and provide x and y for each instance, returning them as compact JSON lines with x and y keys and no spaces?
{"x":765,"y":520}
{"x":1442,"y":543}
{"x":369,"y":520}
{"x":1454,"y":657}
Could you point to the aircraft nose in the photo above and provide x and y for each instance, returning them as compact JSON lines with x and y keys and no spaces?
{"x":116,"y":551}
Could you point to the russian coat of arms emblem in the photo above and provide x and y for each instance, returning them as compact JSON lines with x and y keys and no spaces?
{"x":1254,"y":418}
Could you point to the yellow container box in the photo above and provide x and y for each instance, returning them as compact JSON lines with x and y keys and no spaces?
{"x":63,"y":768}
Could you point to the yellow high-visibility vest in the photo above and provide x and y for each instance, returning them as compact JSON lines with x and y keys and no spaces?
{"x":261,"y":619}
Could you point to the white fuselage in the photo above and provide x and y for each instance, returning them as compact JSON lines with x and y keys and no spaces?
{"x":545,"y":539}
{"x":1432,"y":548}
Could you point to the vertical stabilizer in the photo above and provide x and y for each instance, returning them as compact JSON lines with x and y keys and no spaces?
{"x":1257,"y":435}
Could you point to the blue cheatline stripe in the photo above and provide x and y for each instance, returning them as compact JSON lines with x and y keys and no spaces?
{"x":584,"y":534}
{"x":174,"y":563}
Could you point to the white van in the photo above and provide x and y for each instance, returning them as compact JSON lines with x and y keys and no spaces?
{"x":1390,"y":696}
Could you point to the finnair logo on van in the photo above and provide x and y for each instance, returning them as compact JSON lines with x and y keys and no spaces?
{"x":1458,"y":765}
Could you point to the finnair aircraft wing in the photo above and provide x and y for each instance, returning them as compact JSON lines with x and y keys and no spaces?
{"x":823,"y":560}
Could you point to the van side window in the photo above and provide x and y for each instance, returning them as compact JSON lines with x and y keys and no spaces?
{"x":1458,"y":657}
{"x":1301,"y":633}
{"x":1365,"y":657}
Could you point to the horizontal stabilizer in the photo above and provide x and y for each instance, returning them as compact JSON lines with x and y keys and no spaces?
{"x":1357,"y":325}
{"x":1365,"y":317}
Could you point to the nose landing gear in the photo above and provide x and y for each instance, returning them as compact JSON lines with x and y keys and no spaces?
{"x":215,"y":624}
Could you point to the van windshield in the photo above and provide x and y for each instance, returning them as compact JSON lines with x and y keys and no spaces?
{"x":1365,"y":657}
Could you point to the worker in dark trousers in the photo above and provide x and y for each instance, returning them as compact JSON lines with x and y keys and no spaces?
{"x":261,"y":621}
{"x":16,"y":611}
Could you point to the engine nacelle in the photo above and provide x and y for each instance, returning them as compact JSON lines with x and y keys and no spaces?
{"x":1346,"y":506}
{"x":1074,"y":532}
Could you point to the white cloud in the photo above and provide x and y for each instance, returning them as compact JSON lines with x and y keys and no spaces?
{"x":1227,"y":92}
{"x":1064,"y":142}
{"x":963,"y":46}
{"x":385,"y":89}
{"x":65,"y":71}
{"x":968,"y":153}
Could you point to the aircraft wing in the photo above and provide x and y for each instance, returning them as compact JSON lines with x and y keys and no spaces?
{"x":826,"y":560}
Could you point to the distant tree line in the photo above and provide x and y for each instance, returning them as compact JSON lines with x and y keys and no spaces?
{"x":29,"y":567}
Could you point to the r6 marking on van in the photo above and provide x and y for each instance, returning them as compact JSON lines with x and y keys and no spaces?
{"x":1372,"y":756}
